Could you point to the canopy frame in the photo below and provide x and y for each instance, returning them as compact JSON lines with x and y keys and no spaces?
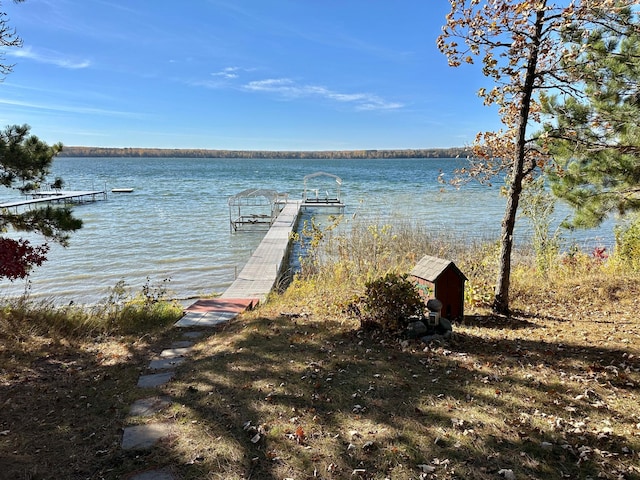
{"x":254,"y":208}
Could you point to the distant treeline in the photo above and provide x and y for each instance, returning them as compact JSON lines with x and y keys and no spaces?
{"x":201,"y":153}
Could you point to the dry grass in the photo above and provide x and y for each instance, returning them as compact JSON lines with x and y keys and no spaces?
{"x":545,"y":398}
{"x":295,"y":390}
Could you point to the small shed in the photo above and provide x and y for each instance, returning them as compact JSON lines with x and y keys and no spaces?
{"x":441,"y":279}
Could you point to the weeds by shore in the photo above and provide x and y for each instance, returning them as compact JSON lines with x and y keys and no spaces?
{"x":295,"y":390}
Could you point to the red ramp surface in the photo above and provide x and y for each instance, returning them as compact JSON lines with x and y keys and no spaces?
{"x":235,"y":305}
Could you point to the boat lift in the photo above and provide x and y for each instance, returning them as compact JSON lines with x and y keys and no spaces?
{"x":320,"y":191}
{"x":255,"y":208}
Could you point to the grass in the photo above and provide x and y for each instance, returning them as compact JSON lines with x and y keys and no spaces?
{"x":296,"y":390}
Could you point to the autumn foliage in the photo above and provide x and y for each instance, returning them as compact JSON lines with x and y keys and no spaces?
{"x":17,"y":257}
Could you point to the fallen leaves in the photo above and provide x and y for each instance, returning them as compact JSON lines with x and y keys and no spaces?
{"x":256,"y":432}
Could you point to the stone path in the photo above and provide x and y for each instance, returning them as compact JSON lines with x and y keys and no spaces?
{"x":206,"y":313}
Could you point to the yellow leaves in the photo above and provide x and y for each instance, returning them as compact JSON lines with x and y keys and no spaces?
{"x":522,"y":8}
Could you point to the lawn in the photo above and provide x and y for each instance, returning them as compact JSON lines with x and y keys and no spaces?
{"x":281,"y":394}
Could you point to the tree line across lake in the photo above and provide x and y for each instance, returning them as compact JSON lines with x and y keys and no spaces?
{"x":76,"y":151}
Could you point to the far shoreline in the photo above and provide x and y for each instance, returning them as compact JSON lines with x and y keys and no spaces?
{"x":130,"y":152}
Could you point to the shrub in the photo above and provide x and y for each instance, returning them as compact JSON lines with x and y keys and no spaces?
{"x":538,"y":206}
{"x":389,"y":302}
{"x":627,"y":249}
{"x":152,"y":307}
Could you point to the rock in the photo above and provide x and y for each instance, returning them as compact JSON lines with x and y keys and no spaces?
{"x":143,"y":437}
{"x":427,"y":468}
{"x":446,"y":324}
{"x":416,"y":329}
{"x":147,"y":407}
{"x":432,"y":338}
{"x":434,"y":305}
{"x":507,"y":473}
{"x":154,"y":379}
{"x":153,"y":475}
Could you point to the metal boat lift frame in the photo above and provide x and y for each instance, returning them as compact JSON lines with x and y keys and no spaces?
{"x":311,"y":197}
{"x":264,"y":205}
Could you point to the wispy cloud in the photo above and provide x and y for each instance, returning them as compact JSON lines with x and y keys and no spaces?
{"x":69,"y":108}
{"x":289,"y":88}
{"x":221,"y":79}
{"x":49,"y":57}
{"x":228,"y":73}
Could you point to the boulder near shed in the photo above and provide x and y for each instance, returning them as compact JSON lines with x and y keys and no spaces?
{"x":444,"y":281}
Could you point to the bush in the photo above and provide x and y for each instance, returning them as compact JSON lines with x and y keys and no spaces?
{"x":151,"y":308}
{"x":627,"y":250}
{"x":390,"y":302}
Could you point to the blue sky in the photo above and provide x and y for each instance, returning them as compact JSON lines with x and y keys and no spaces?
{"x":239,"y":74}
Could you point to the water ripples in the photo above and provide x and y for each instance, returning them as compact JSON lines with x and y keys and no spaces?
{"x":175,"y":224}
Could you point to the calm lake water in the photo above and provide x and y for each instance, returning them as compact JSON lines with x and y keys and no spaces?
{"x":175,"y":224}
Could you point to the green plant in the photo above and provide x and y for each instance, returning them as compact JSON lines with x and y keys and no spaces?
{"x":389,"y":302}
{"x":538,"y":206}
{"x":125,"y":312}
{"x":626,"y":254}
{"x":311,"y":238}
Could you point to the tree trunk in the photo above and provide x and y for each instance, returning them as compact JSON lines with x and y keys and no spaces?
{"x":501,"y":300}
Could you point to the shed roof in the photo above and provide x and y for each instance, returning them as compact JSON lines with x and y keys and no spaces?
{"x":430,"y":268}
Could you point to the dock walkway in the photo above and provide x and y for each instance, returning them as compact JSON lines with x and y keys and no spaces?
{"x":71,"y":196}
{"x":259,"y":275}
{"x":255,"y":281}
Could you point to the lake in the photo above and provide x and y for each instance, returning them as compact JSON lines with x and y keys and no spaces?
{"x":175,"y":223}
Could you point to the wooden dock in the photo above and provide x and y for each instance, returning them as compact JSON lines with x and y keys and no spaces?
{"x":256,"y":280}
{"x":259,"y":275}
{"x":53,"y":196}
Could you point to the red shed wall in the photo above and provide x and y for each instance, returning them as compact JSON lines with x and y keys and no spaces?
{"x":449,"y":289}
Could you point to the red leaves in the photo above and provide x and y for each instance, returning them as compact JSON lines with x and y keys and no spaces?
{"x":17,"y":257}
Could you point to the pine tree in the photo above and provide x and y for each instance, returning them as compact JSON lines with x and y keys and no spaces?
{"x":594,"y":138}
{"x":25,"y":161}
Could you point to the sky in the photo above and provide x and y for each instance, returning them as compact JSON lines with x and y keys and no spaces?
{"x":239,"y":75}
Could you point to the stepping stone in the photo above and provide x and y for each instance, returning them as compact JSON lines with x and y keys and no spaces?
{"x":153,"y":475}
{"x":205,"y":319}
{"x":165,"y":363}
{"x":148,"y":406}
{"x":182,"y":344}
{"x":154,"y":379}
{"x":143,"y":437}
{"x":193,"y":334}
{"x":174,"y":352}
